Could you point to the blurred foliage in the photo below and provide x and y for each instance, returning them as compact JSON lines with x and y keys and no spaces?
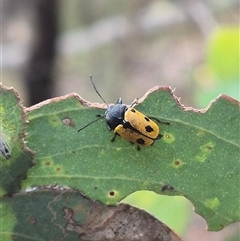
{"x":223,"y":54}
{"x":84,"y":13}
{"x":220,"y":72}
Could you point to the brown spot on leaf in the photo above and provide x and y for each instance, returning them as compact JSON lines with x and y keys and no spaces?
{"x":209,"y":147}
{"x":68,"y":213}
{"x":68,"y":122}
{"x":177,"y":162}
{"x":32,"y":220}
{"x":111,"y":193}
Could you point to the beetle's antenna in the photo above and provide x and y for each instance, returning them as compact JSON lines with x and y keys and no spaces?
{"x":89,"y":124}
{"x":97,"y":90}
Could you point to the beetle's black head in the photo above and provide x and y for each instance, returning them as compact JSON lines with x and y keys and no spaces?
{"x":114,"y":114}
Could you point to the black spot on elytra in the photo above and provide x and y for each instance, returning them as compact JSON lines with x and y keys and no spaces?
{"x":133,"y":110}
{"x":146,"y":118}
{"x":140,"y":141}
{"x":148,"y":129}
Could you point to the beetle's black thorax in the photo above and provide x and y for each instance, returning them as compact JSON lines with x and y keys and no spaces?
{"x":114,"y":115}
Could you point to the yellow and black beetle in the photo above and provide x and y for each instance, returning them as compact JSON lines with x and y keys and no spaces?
{"x":129,"y":123}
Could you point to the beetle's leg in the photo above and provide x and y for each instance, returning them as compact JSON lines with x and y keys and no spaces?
{"x":138,"y":148}
{"x":108,"y":127}
{"x":159,"y":121}
{"x":114,"y":137}
{"x":159,"y":136}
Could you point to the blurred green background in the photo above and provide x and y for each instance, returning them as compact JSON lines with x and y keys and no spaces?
{"x":130,"y":47}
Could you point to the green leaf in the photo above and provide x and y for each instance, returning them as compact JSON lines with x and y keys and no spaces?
{"x":15,"y":158}
{"x":198,"y":156}
{"x":67,"y":215}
